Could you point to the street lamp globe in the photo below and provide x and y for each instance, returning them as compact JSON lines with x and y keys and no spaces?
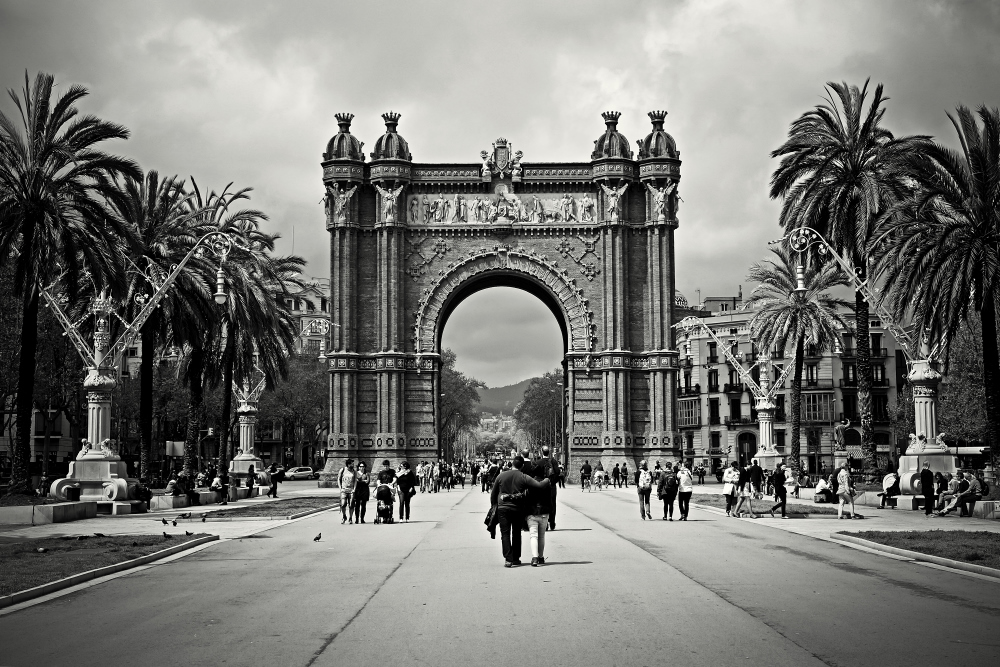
{"x":220,"y":287}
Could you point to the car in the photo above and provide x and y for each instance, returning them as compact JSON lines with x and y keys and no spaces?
{"x":303,"y":472}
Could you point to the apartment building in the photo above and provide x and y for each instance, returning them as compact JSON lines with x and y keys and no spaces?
{"x":717,"y":417}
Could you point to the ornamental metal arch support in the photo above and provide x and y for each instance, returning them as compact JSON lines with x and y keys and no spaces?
{"x":515,"y":262}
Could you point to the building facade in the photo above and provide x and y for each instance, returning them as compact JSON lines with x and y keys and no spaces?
{"x":716,"y":414}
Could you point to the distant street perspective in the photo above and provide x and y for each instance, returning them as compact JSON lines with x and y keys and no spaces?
{"x":431,"y":333}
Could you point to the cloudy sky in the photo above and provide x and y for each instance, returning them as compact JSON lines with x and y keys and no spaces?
{"x":246,"y":92}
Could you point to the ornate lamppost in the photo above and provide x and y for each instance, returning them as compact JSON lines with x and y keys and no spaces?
{"x":923,"y":374}
{"x":763,"y":392}
{"x":98,"y":470}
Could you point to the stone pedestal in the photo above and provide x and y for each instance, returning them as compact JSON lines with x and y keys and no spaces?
{"x":239,"y":467}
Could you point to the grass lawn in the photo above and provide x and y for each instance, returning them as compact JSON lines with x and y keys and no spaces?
{"x":281,"y":508}
{"x":978,"y":547}
{"x":23,"y":567}
{"x":19,"y":500}
{"x":760,"y":506}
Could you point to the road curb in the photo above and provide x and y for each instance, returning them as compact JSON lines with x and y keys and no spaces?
{"x":290,"y":517}
{"x":53,"y":586}
{"x":791,"y":515}
{"x":916,"y":555}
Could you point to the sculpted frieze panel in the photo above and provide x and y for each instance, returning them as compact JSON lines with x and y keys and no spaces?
{"x":503,"y":206}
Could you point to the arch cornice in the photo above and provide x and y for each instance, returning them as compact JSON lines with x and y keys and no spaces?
{"x":510,"y":260}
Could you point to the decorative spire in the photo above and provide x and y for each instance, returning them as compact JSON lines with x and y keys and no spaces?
{"x":611,"y":119}
{"x":657,"y":118}
{"x":344,"y":121}
{"x":391,"y":119}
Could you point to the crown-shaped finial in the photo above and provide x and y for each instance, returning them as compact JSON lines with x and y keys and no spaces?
{"x":611,"y":118}
{"x":391,"y":118}
{"x":344,"y":121}
{"x":657,"y":118}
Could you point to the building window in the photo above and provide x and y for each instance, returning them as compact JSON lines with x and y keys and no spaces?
{"x":689,"y":436}
{"x":850,"y":407}
{"x":779,"y":408}
{"x":778,"y":370}
{"x":713,"y":353}
{"x":716,"y":440}
{"x":689,"y":413}
{"x":133,"y":352}
{"x":713,"y":411}
{"x":850,"y":374}
{"x":779,"y":437}
{"x":713,"y":380}
{"x":812,"y":375}
{"x":735,"y":412}
{"x":687,"y":380}
{"x":312,"y":345}
{"x":322,"y":304}
{"x":878,"y":372}
{"x":734,"y":377}
{"x":817,"y":407}
{"x":880,"y":408}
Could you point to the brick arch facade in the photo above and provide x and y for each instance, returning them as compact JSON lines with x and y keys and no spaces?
{"x":408,"y":241}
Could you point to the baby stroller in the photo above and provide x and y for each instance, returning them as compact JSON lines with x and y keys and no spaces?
{"x":384,"y":501}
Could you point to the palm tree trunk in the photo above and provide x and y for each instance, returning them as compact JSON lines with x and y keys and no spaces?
{"x":226,"y":436}
{"x":991,"y":376}
{"x":196,"y":369}
{"x":148,"y":334}
{"x":796,"y":406}
{"x":863,"y":343}
{"x":20,"y":477}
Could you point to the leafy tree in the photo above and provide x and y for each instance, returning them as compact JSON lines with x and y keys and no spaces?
{"x":840,"y":170}
{"x":789,"y":317}
{"x":539,"y":414}
{"x":459,"y":401}
{"x":300,"y":402}
{"x":59,"y":374}
{"x":52,"y":220}
{"x":940,"y":248}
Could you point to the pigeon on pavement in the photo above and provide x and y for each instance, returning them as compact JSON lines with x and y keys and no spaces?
{"x":316,"y":539}
{"x":188,"y":533}
{"x":174,"y":522}
{"x":167,"y":537}
{"x":164,"y":521}
{"x":203,"y":519}
{"x":135,"y":544}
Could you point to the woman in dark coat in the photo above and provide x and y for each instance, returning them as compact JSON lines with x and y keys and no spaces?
{"x":361,"y":492}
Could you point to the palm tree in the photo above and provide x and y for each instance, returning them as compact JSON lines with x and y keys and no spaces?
{"x":940,"y":249}
{"x":840,"y":170}
{"x":165,"y":230}
{"x":789,"y":317}
{"x":52,"y":220}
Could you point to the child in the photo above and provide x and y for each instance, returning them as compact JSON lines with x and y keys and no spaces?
{"x":384,"y":499}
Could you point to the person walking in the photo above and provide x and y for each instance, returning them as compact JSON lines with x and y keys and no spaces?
{"x":644,"y":486}
{"x":540,"y":503}
{"x":625,"y":474}
{"x":346,"y":480}
{"x":780,"y":491}
{"x":616,"y":476}
{"x":927,"y":487}
{"x":746,"y":493}
{"x":666,"y":491}
{"x":509,"y":490}
{"x":845,"y":491}
{"x":730,"y":478}
{"x":406,"y":484}
{"x":553,"y":473}
{"x":362,"y":492}
{"x":685,"y":487}
{"x":757,"y":478}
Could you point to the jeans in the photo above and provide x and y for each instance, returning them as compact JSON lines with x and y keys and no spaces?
{"x":536,"y":531}
{"x":360,"y":506}
{"x":781,"y":496}
{"x":683,"y":503}
{"x":928,"y":503}
{"x":644,"y":503}
{"x":404,"y":503}
{"x":510,"y":534}
{"x":668,"y":505}
{"x":730,"y":502}
{"x":346,"y":501}
{"x":552,"y":512}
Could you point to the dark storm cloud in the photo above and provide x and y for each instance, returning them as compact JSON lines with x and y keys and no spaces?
{"x":246,"y":92}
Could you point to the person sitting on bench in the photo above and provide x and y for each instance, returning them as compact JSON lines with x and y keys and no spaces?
{"x":823,"y":490}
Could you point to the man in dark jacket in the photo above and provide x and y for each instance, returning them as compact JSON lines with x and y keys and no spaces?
{"x":927,"y":488}
{"x":756,"y":476}
{"x":780,"y":493}
{"x":552,"y":472}
{"x":509,"y":492}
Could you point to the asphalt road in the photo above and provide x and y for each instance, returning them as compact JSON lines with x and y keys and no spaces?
{"x":617,"y":591}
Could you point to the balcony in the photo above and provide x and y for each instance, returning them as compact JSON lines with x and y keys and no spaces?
{"x":713,"y":420}
{"x":849,"y":383}
{"x":734,"y":388}
{"x":779,"y":416}
{"x":713,"y":358}
{"x":687,"y":362}
{"x":883,"y":382}
{"x":777,"y":354}
{"x":690,"y":391}
{"x":848,"y":352}
{"x":817,"y":384}
{"x":879,"y":353}
{"x":713,"y":388}
{"x":850,"y":416}
{"x":740,"y":421}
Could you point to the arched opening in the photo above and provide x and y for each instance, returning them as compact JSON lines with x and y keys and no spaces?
{"x":504,"y":330}
{"x":747,"y":445}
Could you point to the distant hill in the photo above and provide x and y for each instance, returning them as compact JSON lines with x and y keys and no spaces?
{"x":502,"y":399}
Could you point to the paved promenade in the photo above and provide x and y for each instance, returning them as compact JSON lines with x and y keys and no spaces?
{"x":617,"y":591}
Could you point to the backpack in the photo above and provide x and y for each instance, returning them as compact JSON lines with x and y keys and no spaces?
{"x":672,"y":483}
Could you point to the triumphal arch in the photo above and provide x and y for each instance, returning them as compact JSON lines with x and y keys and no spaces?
{"x":594,"y":240}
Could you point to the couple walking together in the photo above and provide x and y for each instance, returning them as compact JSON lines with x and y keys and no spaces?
{"x":675,"y":483}
{"x":523,"y":498}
